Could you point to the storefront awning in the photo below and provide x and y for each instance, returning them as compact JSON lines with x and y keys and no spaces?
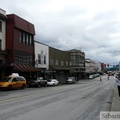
{"x":25,"y":68}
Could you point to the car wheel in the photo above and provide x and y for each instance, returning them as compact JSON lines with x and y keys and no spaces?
{"x":23,"y":86}
{"x":29,"y":86}
{"x":45,"y":85}
{"x":38,"y":85}
{"x":10,"y":87}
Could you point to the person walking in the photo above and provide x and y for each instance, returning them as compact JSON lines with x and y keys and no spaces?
{"x":117,"y":78}
{"x":108,"y":75}
{"x":100,"y":78}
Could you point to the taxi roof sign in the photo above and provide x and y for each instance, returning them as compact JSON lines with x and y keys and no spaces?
{"x":15,"y":75}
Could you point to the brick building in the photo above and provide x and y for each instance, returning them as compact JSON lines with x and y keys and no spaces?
{"x":20,"y":46}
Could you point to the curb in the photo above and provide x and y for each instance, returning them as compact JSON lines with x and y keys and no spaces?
{"x":115,"y":101}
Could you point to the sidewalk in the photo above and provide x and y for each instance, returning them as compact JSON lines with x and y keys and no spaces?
{"x":115,"y":101}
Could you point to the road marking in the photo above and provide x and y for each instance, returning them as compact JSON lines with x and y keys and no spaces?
{"x":19,"y":97}
{"x":107,"y":88}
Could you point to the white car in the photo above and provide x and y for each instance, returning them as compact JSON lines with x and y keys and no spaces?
{"x":71,"y":80}
{"x":91,"y":76}
{"x":52,"y":82}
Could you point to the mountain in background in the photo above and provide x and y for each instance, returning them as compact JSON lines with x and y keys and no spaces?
{"x":112,"y":67}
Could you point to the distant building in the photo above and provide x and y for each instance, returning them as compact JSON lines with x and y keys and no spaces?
{"x":59,"y":64}
{"x":90,"y":66}
{"x":41,"y":58}
{"x":77,"y":63}
{"x":3,"y":52}
{"x":98,"y":66}
{"x":103,"y":67}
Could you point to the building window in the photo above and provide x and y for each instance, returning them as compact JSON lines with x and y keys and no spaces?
{"x":62,"y":63}
{"x":19,"y":58}
{"x":1,"y":61}
{"x":0,"y":44}
{"x":51,"y":62}
{"x":56,"y":62}
{"x":66,"y":63}
{"x":23,"y":57}
{"x":20,"y":37}
{"x":27,"y":59}
{"x":30,"y":40}
{"x":31,"y":59}
{"x":23,"y":38}
{"x":0,"y":26}
{"x":44,"y":59}
{"x":39,"y":58}
{"x":27,"y":39}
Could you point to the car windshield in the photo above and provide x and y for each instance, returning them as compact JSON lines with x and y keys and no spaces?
{"x":5,"y":79}
{"x":33,"y":80}
{"x":49,"y":80}
{"x":39,"y":78}
{"x":71,"y":78}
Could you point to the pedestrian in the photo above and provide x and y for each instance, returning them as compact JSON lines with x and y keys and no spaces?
{"x":117,"y":78}
{"x":108,"y":75}
{"x":100,"y":78}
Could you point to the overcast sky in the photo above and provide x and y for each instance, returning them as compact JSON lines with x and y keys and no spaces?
{"x":90,"y":25}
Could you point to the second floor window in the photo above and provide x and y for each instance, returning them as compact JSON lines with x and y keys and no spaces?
{"x":51,"y":62}
{"x":30,"y":40}
{"x":39,"y":58}
{"x":66,"y":63}
{"x":25,"y":38}
{"x":0,"y":26}
{"x":44,"y":59}
{"x":20,"y":37}
{"x":62,"y":63}
{"x":56,"y":62}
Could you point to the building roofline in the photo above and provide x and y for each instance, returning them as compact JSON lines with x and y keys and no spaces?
{"x":41,"y":43}
{"x":20,"y":18}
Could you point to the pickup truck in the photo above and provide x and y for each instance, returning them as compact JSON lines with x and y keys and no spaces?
{"x":38,"y":82}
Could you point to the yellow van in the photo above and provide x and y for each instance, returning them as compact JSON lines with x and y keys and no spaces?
{"x":13,"y":82}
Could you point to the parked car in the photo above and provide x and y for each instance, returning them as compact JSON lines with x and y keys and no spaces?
{"x":97,"y":75}
{"x":37,"y":83}
{"x":91,"y":76}
{"x":71,"y":80}
{"x":52,"y":82}
{"x":13,"y":81}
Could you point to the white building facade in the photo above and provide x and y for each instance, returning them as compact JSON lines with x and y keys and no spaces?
{"x":98,"y":66}
{"x":41,"y":56}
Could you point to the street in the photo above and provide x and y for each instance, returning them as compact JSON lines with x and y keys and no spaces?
{"x":81,"y":101}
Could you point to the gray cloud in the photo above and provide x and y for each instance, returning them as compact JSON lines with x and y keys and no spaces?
{"x":70,"y":26}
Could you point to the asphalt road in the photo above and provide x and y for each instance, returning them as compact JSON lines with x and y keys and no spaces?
{"x":81,"y":101}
